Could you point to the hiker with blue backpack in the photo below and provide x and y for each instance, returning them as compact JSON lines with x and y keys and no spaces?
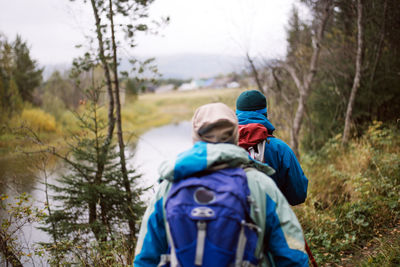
{"x":216,"y":206}
{"x":256,"y":136}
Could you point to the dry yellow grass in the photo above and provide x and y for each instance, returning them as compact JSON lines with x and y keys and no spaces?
{"x":153,"y":110}
{"x":138,"y":114}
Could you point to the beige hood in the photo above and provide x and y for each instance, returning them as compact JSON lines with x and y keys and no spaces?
{"x":215,"y":123}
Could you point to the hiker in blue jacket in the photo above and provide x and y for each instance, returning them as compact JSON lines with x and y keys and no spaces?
{"x":268,"y":234}
{"x":254,"y":127}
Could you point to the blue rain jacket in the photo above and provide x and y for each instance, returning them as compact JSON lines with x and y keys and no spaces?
{"x":281,"y":240}
{"x":289,"y":176}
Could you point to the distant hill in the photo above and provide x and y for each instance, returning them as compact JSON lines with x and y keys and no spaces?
{"x":186,"y":66}
{"x":180,"y":66}
{"x":197,"y":66}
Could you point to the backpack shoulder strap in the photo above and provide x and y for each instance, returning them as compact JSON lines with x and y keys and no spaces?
{"x":259,"y":155}
{"x":260,"y":148}
{"x":169,"y":258}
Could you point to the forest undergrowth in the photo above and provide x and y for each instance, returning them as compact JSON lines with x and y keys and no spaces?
{"x":352,"y":213}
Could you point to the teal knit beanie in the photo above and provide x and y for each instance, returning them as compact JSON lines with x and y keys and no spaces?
{"x":252,"y":100}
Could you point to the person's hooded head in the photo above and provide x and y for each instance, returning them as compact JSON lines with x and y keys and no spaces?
{"x":215,"y":123}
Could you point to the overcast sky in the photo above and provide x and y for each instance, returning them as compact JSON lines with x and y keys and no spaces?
{"x":52,"y":28}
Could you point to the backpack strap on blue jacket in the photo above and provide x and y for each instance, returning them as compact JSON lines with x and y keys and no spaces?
{"x":201,"y":240}
{"x":241,"y":246}
{"x":172,"y":257}
{"x":164,"y":260}
{"x":259,"y":155}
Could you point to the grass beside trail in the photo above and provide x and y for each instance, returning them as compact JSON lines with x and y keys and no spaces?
{"x":353,"y":203}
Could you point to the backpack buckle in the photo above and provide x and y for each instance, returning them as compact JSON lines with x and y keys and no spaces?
{"x":202,"y":212}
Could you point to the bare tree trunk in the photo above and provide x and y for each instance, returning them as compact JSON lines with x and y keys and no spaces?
{"x":255,"y":73}
{"x":297,"y":121}
{"x":127,"y":184}
{"x":304,"y":87}
{"x":111,"y":119}
{"x":357,"y":77}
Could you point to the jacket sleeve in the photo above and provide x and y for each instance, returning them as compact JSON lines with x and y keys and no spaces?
{"x":295,"y":188}
{"x":283,"y":237}
{"x":289,"y":175}
{"x":283,"y":240}
{"x":152,"y":241}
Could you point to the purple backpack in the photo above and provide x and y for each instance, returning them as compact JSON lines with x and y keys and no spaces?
{"x":208,"y":220}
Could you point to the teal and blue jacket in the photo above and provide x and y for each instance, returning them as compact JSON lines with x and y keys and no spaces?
{"x":282,"y":242}
{"x":289,"y":176}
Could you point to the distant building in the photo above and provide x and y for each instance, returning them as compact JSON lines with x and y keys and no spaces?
{"x":188,"y":86}
{"x":211,"y":83}
{"x":205,"y":83}
{"x":220,"y":83}
{"x":233,"y":85}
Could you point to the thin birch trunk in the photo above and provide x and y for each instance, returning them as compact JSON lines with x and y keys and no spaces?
{"x":357,"y":77}
{"x":111,"y":119}
{"x":127,"y":184}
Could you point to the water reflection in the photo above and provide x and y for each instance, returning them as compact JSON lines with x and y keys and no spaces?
{"x":16,"y":175}
{"x":20,"y":174}
{"x":157,"y":145}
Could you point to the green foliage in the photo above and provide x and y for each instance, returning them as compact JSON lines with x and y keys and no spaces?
{"x":59,"y":93}
{"x":386,"y":251}
{"x":25,"y":70}
{"x":90,"y":220}
{"x":299,"y":40}
{"x":135,"y":86}
{"x":92,"y":253}
{"x":19,"y":76}
{"x":378,"y":97}
{"x":354,"y":193}
{"x":14,"y":98}
{"x":19,"y":212}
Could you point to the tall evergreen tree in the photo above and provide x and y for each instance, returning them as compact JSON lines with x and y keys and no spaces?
{"x":14,"y":99}
{"x":5,"y":77}
{"x":105,"y":227}
{"x":109,"y":30}
{"x":19,"y":75}
{"x":25,"y":70}
{"x":11,"y":100}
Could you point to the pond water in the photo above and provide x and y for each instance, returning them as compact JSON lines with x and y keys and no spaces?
{"x":18,"y":175}
{"x":158,"y":145}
